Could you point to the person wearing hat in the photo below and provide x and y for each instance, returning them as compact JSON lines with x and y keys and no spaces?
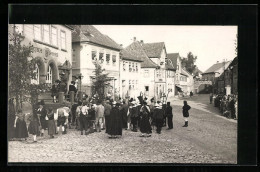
{"x":42,"y":113}
{"x":185,"y":112}
{"x":107,"y":110}
{"x":123,"y":111}
{"x":115,"y":129}
{"x":145,"y":126}
{"x":158,"y":116}
{"x":134,"y":116}
{"x":169,"y":115}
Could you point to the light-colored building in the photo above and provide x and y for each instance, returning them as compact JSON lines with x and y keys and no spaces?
{"x":170,"y":78}
{"x":130,"y":75}
{"x":51,"y":48}
{"x":88,"y":45}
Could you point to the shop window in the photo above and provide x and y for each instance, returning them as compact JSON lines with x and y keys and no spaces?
{"x":93,"y":54}
{"x":49,"y":75}
{"x":46,"y":34}
{"x":54,"y":36}
{"x":107,"y":58}
{"x":36,"y":78}
{"x":37,"y":30}
{"x":63,"y":39}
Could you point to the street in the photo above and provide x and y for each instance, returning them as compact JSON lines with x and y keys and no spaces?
{"x":209,"y":138}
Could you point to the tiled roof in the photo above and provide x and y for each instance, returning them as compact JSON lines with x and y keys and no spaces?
{"x":215,"y":67}
{"x":169,"y":65}
{"x":153,"y":50}
{"x":89,"y":33}
{"x":128,"y":56}
{"x":173,"y":57}
{"x":135,"y":49}
{"x":184,"y":72}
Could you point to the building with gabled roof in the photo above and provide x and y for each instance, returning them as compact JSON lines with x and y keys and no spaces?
{"x":88,"y":45}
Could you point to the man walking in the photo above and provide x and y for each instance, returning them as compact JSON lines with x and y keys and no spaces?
{"x":169,"y":115}
{"x":158,"y":116}
{"x":100,"y":117}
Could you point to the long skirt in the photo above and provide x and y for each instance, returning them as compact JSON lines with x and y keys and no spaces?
{"x":44,"y":124}
{"x":145,"y":126}
{"x":34,"y":128}
{"x":21,"y":129}
{"x":51,"y":127}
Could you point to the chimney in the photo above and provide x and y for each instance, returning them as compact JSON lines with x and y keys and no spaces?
{"x":217,"y":61}
{"x":134,"y":39}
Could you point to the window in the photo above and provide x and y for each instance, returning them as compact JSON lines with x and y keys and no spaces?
{"x":146,"y":73}
{"x":146,"y":88}
{"x":130,"y":85}
{"x":93,"y":54}
{"x":123,"y":65}
{"x":63,"y":39}
{"x":107,"y":58}
{"x":136,"y":82}
{"x":130,"y":67}
{"x":158,"y":73}
{"x":18,"y":28}
{"x":114,"y":58}
{"x":36,"y":72}
{"x":136,"y":65}
{"x":54,"y":36}
{"x":133,"y":84}
{"x":177,"y":77}
{"x":37,"y":30}
{"x":177,"y":67}
{"x":46,"y":34}
{"x":101,"y":55}
{"x":133,"y":66}
{"x":49,"y":75}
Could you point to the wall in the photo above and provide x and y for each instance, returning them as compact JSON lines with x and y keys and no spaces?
{"x":148,"y":80}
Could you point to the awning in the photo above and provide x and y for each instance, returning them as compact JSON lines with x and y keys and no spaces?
{"x":179,"y":89}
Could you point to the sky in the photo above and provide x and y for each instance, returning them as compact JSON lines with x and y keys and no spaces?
{"x":209,"y":43}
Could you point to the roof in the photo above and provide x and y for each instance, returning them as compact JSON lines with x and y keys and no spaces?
{"x":184,"y":72}
{"x":173,"y":57}
{"x":215,"y":67}
{"x":135,"y":49}
{"x":153,"y":50}
{"x":128,"y":56}
{"x":88,"y":33}
{"x":169,"y":65}
{"x":234,"y":62}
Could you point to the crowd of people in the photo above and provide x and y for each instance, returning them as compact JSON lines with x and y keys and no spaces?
{"x":93,"y":115}
{"x":227,"y":104}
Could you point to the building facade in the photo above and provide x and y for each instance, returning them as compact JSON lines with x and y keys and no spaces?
{"x":89,"y":45}
{"x":130,"y":75}
{"x":170,"y":78}
{"x":51,"y":48}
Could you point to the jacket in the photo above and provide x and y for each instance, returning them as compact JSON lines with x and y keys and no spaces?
{"x":107,"y":110}
{"x":185,"y":110}
{"x":100,"y":111}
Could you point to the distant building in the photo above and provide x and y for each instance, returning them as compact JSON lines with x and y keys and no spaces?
{"x":183,"y":79}
{"x":170,"y":78}
{"x":88,"y":45}
{"x":52,"y":50}
{"x":212,"y":73}
{"x":130,"y":75}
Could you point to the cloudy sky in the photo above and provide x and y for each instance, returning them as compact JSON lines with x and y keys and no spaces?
{"x":209,"y":43}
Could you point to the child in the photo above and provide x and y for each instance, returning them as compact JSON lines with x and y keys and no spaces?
{"x":21,"y":131}
{"x":34,"y":126}
{"x":185,"y":112}
{"x":51,"y":123}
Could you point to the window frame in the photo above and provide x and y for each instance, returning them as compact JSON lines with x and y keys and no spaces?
{"x":62,"y":31}
{"x":51,"y":34}
{"x":34,"y":32}
{"x":48,"y":26}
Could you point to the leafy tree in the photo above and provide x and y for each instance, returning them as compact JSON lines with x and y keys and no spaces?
{"x":189,"y":63}
{"x":21,"y":71}
{"x":101,"y":80}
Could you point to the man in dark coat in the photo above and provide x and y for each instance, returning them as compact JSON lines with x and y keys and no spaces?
{"x":11,"y":119}
{"x":158,"y":116}
{"x":107,"y":112}
{"x":134,"y":116}
{"x":72,"y":88}
{"x":185,"y":112}
{"x":42,"y":112}
{"x":115,"y":129}
{"x":124,"y":110}
{"x":169,"y":115}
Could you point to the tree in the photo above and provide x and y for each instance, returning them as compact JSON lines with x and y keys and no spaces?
{"x":188,"y":63}
{"x":101,"y":80}
{"x":21,"y":71}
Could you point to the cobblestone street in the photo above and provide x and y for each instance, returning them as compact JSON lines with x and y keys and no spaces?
{"x":210,"y":138}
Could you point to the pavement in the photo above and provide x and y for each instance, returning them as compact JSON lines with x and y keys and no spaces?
{"x":209,"y":138}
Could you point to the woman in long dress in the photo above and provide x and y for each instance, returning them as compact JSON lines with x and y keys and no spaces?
{"x":34,"y":126}
{"x":115,"y":127}
{"x":11,"y":119}
{"x":145,"y":126}
{"x":21,"y":131}
{"x":51,"y":123}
